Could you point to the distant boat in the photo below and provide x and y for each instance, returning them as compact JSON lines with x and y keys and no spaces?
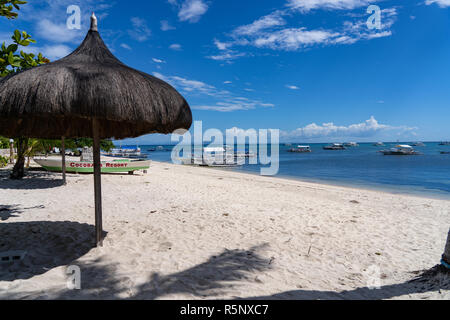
{"x":126,"y":153}
{"x":419,"y":144}
{"x":445,"y":152}
{"x":379,"y":144}
{"x":351,"y":144}
{"x":244,"y":154}
{"x":335,"y":146}
{"x":213,"y":157}
{"x":445,"y":143}
{"x":401,"y":150}
{"x":300,"y":149}
{"x":76,"y":166}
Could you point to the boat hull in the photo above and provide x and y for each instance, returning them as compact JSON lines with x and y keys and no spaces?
{"x":396,"y":153}
{"x":55,"y":165}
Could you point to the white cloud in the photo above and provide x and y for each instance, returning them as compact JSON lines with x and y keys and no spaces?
{"x":293,"y":39}
{"x":56,"y":51}
{"x":192,"y":10}
{"x":140,"y":31}
{"x":270,"y":32}
{"x":165,"y":26}
{"x":369,"y":128}
{"x":307,"y":5}
{"x":222,"y":45}
{"x":292,"y":87}
{"x":231,"y":55}
{"x":187,"y":85}
{"x":233,"y":105}
{"x":52,"y":52}
{"x":125,"y":46}
{"x":49,"y":21}
{"x":54,"y":32}
{"x":271,"y":20}
{"x":175,"y":46}
{"x":158,"y":60}
{"x":440,"y":3}
{"x":227,"y":82}
{"x":223,"y":100}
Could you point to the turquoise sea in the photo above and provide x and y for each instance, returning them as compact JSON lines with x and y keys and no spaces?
{"x":362,"y":167}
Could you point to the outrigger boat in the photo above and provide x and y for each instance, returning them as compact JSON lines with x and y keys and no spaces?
{"x":108,"y":166}
{"x":351,"y":144}
{"x":126,"y":153}
{"x":401,"y":150}
{"x":335,"y":146}
{"x":300,"y":149}
{"x":214,"y":157}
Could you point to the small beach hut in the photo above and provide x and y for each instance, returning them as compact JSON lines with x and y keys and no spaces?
{"x":89,"y":93}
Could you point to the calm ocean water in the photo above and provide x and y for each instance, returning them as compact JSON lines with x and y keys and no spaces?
{"x":363,"y":167}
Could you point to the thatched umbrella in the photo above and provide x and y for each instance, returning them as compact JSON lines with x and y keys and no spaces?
{"x":89,"y":93}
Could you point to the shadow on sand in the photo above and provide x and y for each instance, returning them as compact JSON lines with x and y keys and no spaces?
{"x":34,"y":179}
{"x":213,"y":277}
{"x":433,"y":280}
{"x":9,"y":211}
{"x":46,"y":245}
{"x":208,"y":279}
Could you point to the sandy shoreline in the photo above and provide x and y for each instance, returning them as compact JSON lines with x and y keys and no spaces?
{"x":187,"y":232}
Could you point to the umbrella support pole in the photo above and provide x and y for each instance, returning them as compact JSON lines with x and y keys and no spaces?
{"x":63,"y":153}
{"x":97,"y":185}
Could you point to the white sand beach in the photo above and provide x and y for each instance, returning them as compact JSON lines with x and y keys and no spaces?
{"x":181,"y":232}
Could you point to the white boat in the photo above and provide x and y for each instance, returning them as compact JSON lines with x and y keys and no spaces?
{"x":400,"y":150}
{"x":126,"y":153}
{"x":74,"y":165}
{"x":351,"y":144}
{"x":214,"y":157}
{"x":418,"y":144}
{"x":379,"y":144}
{"x":335,"y":146}
{"x":300,"y":149}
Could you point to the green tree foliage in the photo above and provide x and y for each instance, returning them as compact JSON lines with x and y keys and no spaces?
{"x":7,"y":8}
{"x":3,"y":161}
{"x":4,"y":143}
{"x":13,"y":60}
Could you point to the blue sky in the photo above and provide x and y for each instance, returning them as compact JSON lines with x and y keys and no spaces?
{"x":311,"y":68}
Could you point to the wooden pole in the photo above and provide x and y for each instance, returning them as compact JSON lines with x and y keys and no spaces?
{"x":63,"y":152}
{"x":97,"y":184}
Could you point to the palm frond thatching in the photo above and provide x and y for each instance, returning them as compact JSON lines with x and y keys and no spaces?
{"x":62,"y":98}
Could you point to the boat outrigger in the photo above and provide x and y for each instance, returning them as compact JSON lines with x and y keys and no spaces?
{"x":300,"y":149}
{"x":335,"y":146}
{"x":351,"y":144}
{"x":126,"y":153}
{"x":77,"y":166}
{"x":401,"y":150}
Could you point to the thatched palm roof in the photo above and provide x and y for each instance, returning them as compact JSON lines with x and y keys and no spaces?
{"x":62,"y":98}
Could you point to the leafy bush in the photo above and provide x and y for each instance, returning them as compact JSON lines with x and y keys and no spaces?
{"x":3,"y":161}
